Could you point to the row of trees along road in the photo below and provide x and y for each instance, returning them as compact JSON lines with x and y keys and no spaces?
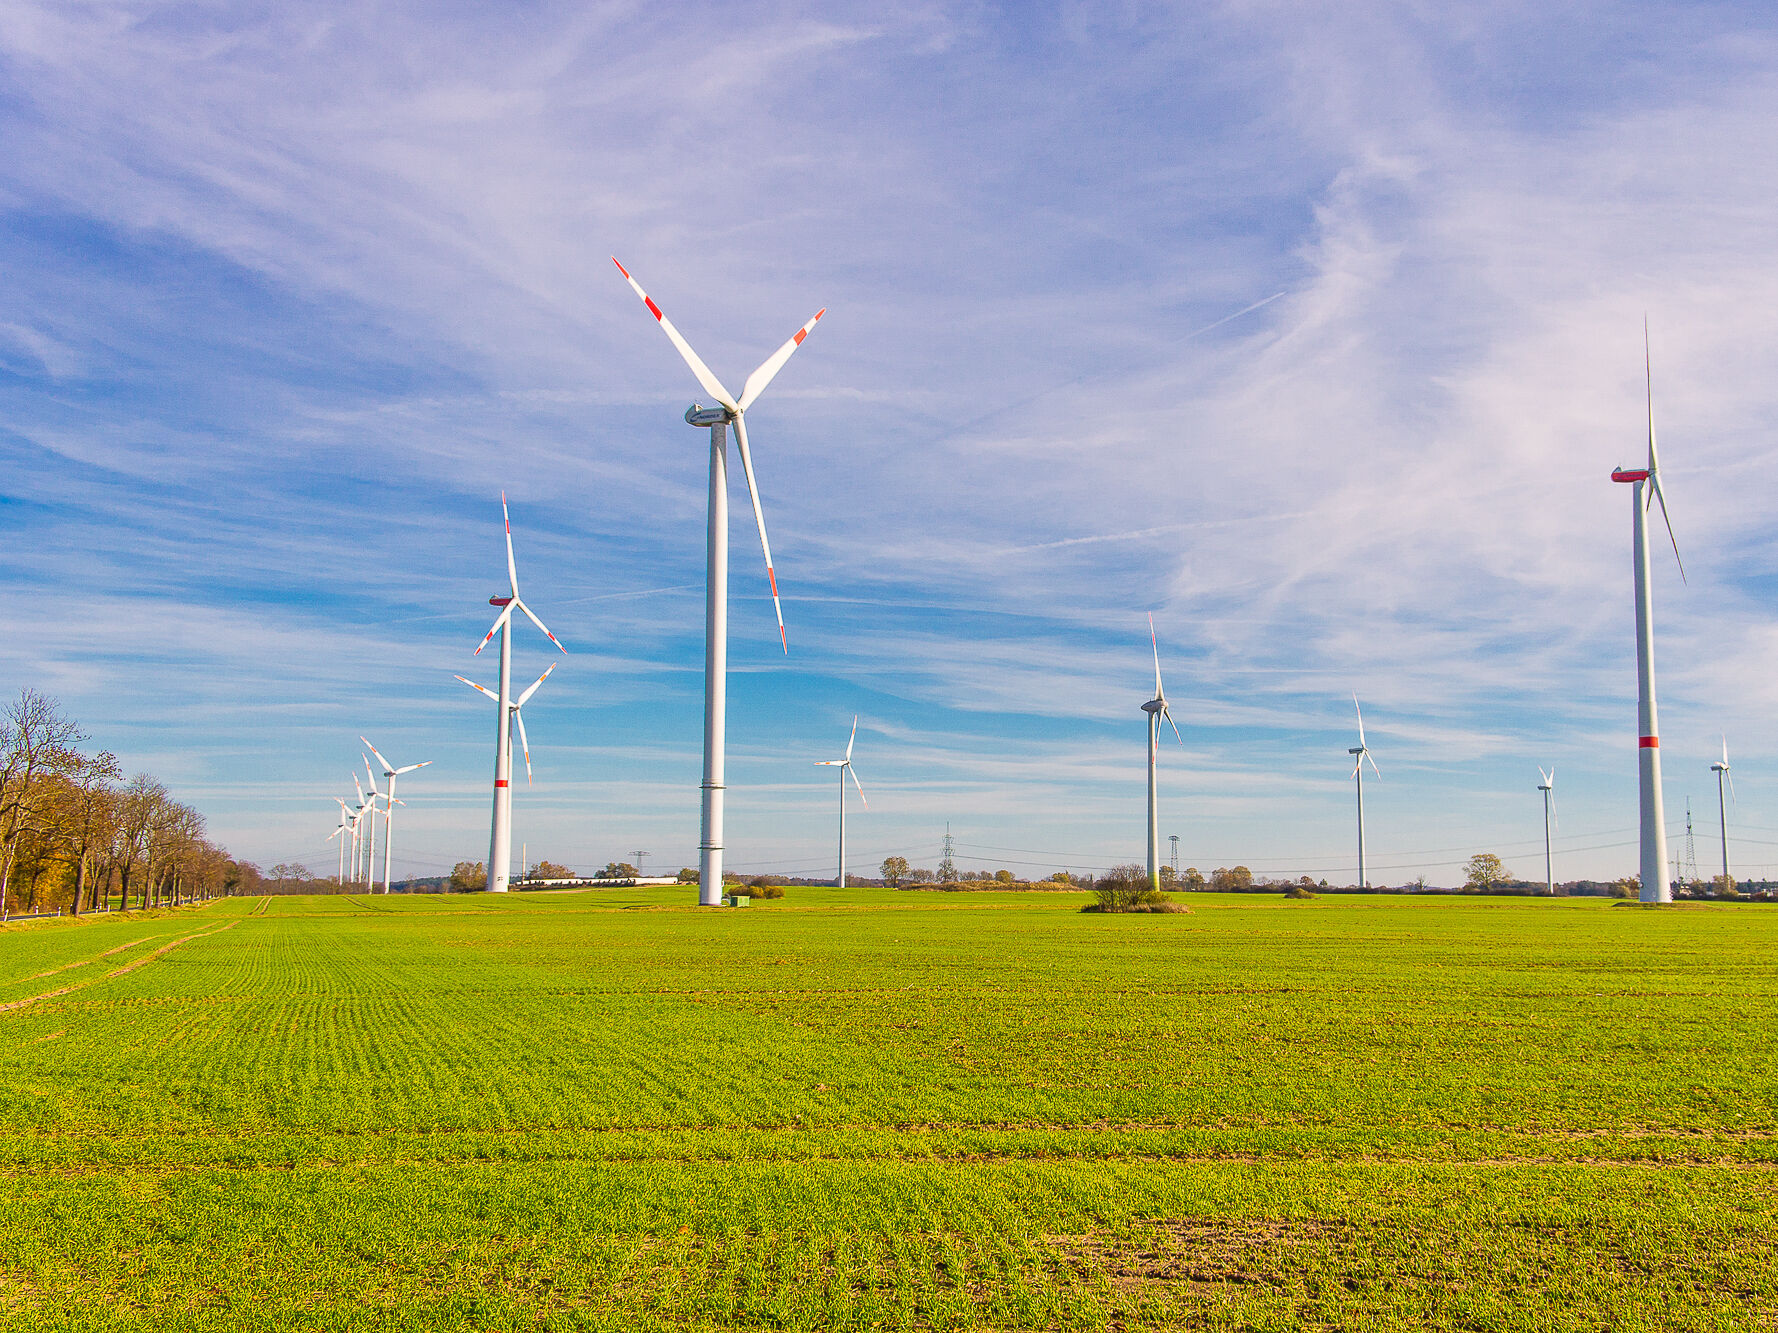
{"x":75,"y":834}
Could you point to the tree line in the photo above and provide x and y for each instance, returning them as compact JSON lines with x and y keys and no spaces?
{"x":76,"y":835}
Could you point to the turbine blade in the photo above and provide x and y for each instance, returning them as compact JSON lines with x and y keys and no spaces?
{"x":760,"y":518}
{"x":829,"y":763}
{"x":712,"y":385}
{"x":757,"y":381}
{"x":1731,"y":778}
{"x":1661,"y":495}
{"x":854,"y":736}
{"x":1167,"y":713}
{"x":360,"y":791}
{"x":856,"y":783}
{"x":480,"y":689}
{"x":1356,"y":765}
{"x":1555,"y":819}
{"x":1365,"y":758}
{"x":384,"y":762}
{"x":540,"y":625}
{"x":499,"y":621}
{"x":1649,"y":379}
{"x":1155,"y":644}
{"x":512,"y":569}
{"x":525,"y":698}
{"x":524,"y":743}
{"x":1655,"y":492}
{"x":1360,"y":712}
{"x":411,"y":767}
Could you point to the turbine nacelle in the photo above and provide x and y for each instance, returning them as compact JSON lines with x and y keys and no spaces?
{"x":699,"y":415}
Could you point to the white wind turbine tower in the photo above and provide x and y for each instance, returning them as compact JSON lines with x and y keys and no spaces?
{"x":1548,"y":788}
{"x":1361,"y":755}
{"x":845,"y":767}
{"x":391,"y":773}
{"x":500,"y":831}
{"x":1722,"y":774}
{"x":730,"y":411}
{"x":1156,"y":708}
{"x":1647,"y":481}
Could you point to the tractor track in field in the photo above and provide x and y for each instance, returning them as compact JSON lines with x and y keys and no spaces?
{"x":116,"y":971}
{"x":69,"y":967}
{"x":408,"y":1162}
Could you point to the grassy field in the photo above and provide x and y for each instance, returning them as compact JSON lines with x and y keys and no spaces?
{"x":865,"y":1109}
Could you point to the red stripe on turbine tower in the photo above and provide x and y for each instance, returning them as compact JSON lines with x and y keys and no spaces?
{"x":1651,"y":742}
{"x":499,"y":782}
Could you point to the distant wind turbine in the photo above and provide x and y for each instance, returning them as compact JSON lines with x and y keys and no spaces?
{"x":730,"y":411}
{"x":1647,"y":482}
{"x":1721,"y":770}
{"x":512,"y":707}
{"x":1361,"y":755}
{"x":500,"y":830}
{"x":370,"y":861}
{"x":390,"y":772}
{"x":1156,"y":708}
{"x":845,"y":767}
{"x":344,"y":828}
{"x":1548,"y":788}
{"x":365,"y":808}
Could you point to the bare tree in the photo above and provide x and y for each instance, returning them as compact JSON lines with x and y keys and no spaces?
{"x":36,"y":743}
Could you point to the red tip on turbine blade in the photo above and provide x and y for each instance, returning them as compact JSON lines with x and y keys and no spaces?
{"x":654,"y":309}
{"x":620,"y":268}
{"x":774,"y":578}
{"x":782,"y":640}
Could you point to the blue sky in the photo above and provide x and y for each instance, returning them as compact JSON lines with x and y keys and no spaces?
{"x":1315,"y":332}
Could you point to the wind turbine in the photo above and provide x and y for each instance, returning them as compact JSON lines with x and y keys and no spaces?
{"x":730,"y":411}
{"x":512,"y":707}
{"x":500,"y":832}
{"x":358,"y":816}
{"x":845,"y":767}
{"x":1156,"y":708}
{"x":1548,"y":788}
{"x":1722,"y":774}
{"x":1361,"y":755}
{"x":1647,"y":481}
{"x":344,"y":828}
{"x":391,"y":773}
{"x":370,"y":861}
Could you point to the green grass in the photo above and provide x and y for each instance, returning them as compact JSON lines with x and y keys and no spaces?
{"x":864,"y":1109}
